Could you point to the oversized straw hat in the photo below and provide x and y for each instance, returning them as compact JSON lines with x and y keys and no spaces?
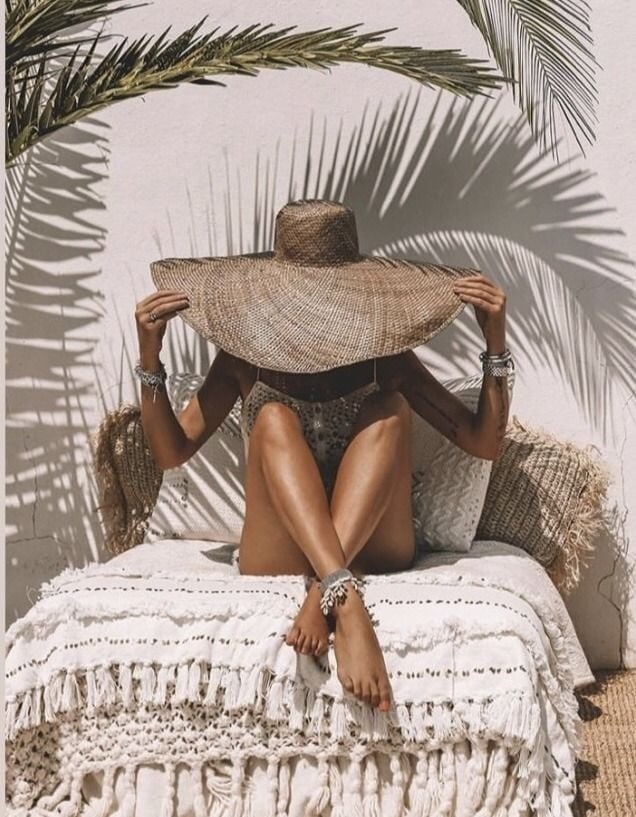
{"x":314,"y":302}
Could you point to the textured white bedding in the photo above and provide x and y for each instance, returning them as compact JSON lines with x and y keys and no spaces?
{"x":483,"y":655}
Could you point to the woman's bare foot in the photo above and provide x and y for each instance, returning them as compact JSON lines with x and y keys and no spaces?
{"x":361,"y":667}
{"x":309,"y":634}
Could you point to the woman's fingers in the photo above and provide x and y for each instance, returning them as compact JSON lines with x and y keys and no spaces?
{"x":483,"y":297}
{"x":162,"y":308}
{"x":160,"y":295}
{"x":149,"y":304}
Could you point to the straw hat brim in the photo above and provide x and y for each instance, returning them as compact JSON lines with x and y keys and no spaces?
{"x":300,"y":318}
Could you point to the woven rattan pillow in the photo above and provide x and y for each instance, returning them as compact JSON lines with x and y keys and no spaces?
{"x":128,"y":480}
{"x":546,"y":496}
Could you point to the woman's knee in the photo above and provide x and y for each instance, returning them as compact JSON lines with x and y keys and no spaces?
{"x":388,"y":410}
{"x":274,"y":422}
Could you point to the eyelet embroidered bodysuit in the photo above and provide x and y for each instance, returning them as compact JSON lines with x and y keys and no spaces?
{"x":326,"y":424}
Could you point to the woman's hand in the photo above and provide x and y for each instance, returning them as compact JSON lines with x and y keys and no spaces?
{"x":490,"y":308}
{"x":163,"y":304}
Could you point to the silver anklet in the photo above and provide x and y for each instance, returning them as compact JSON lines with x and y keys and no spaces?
{"x":334,"y":588}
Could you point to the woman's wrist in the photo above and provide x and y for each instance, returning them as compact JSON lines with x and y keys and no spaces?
{"x":496,"y":345}
{"x":149,"y":359}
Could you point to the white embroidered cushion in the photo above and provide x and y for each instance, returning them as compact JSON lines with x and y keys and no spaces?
{"x":449,"y":485}
{"x":203,"y":498}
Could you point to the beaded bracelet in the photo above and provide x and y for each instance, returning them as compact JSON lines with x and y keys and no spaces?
{"x":498,"y":365}
{"x":155,"y":380}
{"x":334,"y":588}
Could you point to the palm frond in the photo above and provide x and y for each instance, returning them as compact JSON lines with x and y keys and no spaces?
{"x":150,"y":63}
{"x":36,"y":27}
{"x":543,"y":46}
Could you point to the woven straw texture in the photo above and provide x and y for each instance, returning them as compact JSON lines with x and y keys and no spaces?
{"x":314,"y":302}
{"x":545,"y":496}
{"x":605,"y":768}
{"x":128,"y":478}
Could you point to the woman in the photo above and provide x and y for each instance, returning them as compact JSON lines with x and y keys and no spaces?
{"x":351,"y":509}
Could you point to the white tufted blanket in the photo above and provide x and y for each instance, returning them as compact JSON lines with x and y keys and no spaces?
{"x":120,"y":668}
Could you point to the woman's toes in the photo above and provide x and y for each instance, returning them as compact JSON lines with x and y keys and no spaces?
{"x":346,"y":682}
{"x":292,"y":636}
{"x":366,"y":693}
{"x":322,"y":647}
{"x":375,"y":693}
{"x":385,"y":696}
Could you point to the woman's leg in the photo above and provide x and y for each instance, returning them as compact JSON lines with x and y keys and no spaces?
{"x":370,"y":502}
{"x":371,"y":499}
{"x":286,"y":505}
{"x":282,"y":476}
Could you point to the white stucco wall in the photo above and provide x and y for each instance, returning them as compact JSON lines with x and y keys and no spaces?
{"x":190,"y":171}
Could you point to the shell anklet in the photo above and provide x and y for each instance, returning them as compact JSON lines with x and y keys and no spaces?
{"x":334,"y":588}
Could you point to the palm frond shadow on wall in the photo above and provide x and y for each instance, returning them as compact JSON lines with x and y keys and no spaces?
{"x":52,"y":317}
{"x":472,"y":190}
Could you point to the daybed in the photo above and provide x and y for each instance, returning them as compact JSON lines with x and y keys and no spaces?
{"x":158,"y":682}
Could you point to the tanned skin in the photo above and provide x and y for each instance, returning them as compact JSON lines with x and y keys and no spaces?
{"x":291,"y":525}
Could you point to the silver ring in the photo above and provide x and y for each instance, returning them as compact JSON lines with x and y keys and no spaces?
{"x":153,"y":317}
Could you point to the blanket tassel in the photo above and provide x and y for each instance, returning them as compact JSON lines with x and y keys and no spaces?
{"x":476,"y":773}
{"x":71,"y":694}
{"x":180,"y":693}
{"x":284,"y":778}
{"x":272,"y":786}
{"x":432,"y":784}
{"x":125,"y":684}
{"x":168,"y":801}
{"x":107,"y":685}
{"x":462,"y":756}
{"x":108,"y":792}
{"x":496,"y":780}
{"x":335,"y":784}
{"x":396,"y":792}
{"x":419,"y":805}
{"x":198,"y":799}
{"x":448,"y":781}
{"x":130,"y":796}
{"x":317,"y":716}
{"x":319,"y":800}
{"x":355,"y":788}
{"x":236,"y":792}
{"x":371,"y":799}
{"x":219,"y":787}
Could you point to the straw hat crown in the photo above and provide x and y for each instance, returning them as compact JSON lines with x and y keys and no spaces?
{"x":316,"y":232}
{"x":314,"y":302}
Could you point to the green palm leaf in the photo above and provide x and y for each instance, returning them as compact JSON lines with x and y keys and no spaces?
{"x":34,"y":27}
{"x":543,"y":46}
{"x":86,"y":84}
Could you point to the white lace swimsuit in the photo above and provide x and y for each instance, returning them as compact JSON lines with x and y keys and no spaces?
{"x":326,"y":424}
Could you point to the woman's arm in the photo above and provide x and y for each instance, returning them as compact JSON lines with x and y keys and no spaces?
{"x":479,"y":433}
{"x":173,"y":440}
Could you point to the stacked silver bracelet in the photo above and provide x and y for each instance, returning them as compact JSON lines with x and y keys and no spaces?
{"x":497,"y":365}
{"x":334,"y":588}
{"x":156,"y":380}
